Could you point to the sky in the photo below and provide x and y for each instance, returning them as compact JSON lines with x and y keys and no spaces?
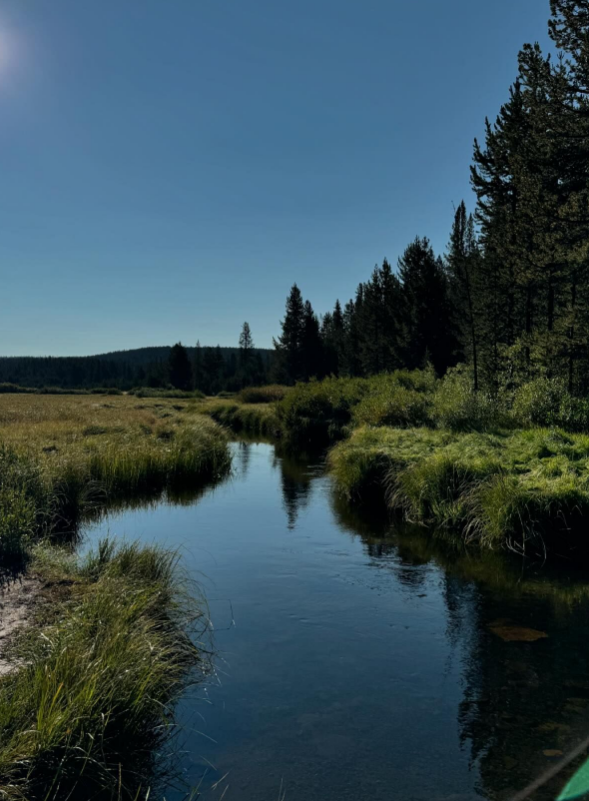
{"x":168,"y":169}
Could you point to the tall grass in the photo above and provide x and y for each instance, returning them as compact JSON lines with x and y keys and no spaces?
{"x":95,"y":696}
{"x":65,"y":458}
{"x":166,"y":392}
{"x":523,"y":488}
{"x":258,"y":419}
{"x":267,"y":394}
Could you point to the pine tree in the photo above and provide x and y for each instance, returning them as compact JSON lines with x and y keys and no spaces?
{"x":246,"y":356}
{"x":197,"y":367}
{"x":246,"y":342}
{"x":311,"y":345}
{"x":289,"y":345}
{"x":180,"y":368}
{"x":333,"y":341}
{"x":378,"y":322}
{"x":427,"y":312}
{"x":464,"y":264}
{"x":353,"y":313}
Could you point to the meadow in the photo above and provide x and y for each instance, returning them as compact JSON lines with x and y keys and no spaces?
{"x":64,"y":458}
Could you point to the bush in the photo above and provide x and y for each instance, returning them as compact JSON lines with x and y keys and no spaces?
{"x":573,"y":414}
{"x":458,"y":407}
{"x":392,"y":400}
{"x":538,"y":402}
{"x":318,"y":412}
{"x":268,"y":394}
{"x":547,"y":402}
{"x":106,"y":391}
{"x":255,"y":419}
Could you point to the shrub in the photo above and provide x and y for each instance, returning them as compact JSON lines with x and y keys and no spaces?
{"x":268,"y":394}
{"x":389,"y":402}
{"x":106,"y":391}
{"x":318,"y":412}
{"x":547,"y":402}
{"x":150,"y":392}
{"x":538,"y":402}
{"x":256,"y":419}
{"x":458,"y":407}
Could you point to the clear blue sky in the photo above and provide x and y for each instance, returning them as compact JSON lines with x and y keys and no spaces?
{"x":168,"y":168}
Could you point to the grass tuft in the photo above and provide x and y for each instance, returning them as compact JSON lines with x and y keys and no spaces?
{"x":94,"y":697}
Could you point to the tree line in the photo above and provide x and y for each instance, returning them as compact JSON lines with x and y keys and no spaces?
{"x":211,"y":369}
{"x":511,"y":294}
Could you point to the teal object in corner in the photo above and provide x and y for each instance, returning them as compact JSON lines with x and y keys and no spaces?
{"x":578,"y":786}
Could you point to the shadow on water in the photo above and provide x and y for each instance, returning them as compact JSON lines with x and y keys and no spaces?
{"x":526,"y":700}
{"x":514,"y":631}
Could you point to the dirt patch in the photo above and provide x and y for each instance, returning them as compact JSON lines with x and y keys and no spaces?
{"x":16,"y":607}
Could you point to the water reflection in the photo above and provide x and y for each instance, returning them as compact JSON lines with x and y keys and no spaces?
{"x":296,"y":478}
{"x":525,"y":703}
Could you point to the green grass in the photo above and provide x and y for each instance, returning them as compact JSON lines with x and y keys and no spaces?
{"x":314,"y":414}
{"x":267,"y":394}
{"x":258,"y":419}
{"x":109,"y":651}
{"x":165,"y":392}
{"x":102,"y":669}
{"x":512,"y":487}
{"x":63,"y":459}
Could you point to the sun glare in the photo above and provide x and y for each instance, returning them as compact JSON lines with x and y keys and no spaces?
{"x":8,"y":53}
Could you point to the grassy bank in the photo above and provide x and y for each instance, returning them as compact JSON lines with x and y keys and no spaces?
{"x":509,"y":468}
{"x":108,"y":653}
{"x":108,"y":649}
{"x":258,"y":419}
{"x":516,"y":486}
{"x":63,"y":458}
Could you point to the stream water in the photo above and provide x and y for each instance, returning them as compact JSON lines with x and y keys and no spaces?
{"x":358,"y":660}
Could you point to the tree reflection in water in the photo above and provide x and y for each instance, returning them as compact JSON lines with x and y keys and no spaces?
{"x":524,"y":702}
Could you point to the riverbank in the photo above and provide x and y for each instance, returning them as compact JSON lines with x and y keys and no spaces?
{"x":504,"y":471}
{"x":63,"y":459}
{"x":94,"y":651}
{"x":106,"y":652}
{"x":517,"y":488}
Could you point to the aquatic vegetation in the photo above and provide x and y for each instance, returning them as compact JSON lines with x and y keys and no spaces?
{"x":99,"y":673}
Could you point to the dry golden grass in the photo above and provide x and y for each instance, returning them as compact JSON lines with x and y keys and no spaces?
{"x":104,"y":449}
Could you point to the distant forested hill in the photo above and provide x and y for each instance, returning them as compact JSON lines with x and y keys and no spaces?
{"x":124,"y":369}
